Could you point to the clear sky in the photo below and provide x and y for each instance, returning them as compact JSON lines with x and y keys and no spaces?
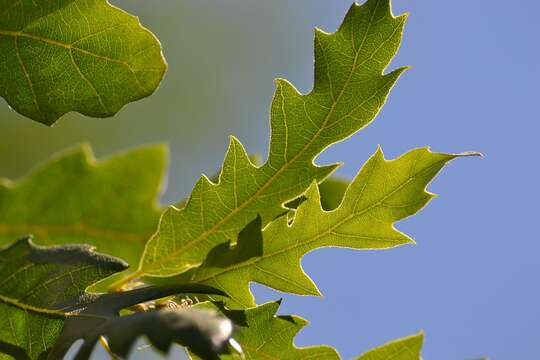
{"x":471,"y":281}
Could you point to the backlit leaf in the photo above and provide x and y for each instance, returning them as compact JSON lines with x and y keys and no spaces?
{"x":383,"y":193}
{"x":350,"y":89}
{"x":408,"y":348}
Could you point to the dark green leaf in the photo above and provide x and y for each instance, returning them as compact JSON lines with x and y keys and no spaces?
{"x":203,"y":331}
{"x":74,"y":55}
{"x":45,"y":308}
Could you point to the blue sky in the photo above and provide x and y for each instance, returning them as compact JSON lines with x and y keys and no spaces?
{"x":471,"y":281}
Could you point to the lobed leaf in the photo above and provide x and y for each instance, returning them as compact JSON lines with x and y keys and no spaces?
{"x":348,"y":93}
{"x":34,"y":281}
{"x":263,"y":335}
{"x":204,"y":332}
{"x":383,"y":193}
{"x":45,"y":308}
{"x":74,"y":55}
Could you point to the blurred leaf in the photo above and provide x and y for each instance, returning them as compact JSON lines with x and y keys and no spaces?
{"x":74,"y":55}
{"x":111,"y":204}
{"x":35,"y":281}
{"x":204,"y":332}
{"x":407,"y":348}
{"x":263,"y":335}
{"x":331,"y":189}
{"x":383,"y":193}
{"x":348,"y":93}
{"x":45,"y":307}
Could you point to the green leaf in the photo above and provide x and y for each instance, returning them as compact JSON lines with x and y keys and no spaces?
{"x":263,"y":335}
{"x":383,"y":193}
{"x":332,"y":190}
{"x":204,"y":332}
{"x":111,"y":204}
{"x":34,"y":281}
{"x":45,"y":308}
{"x":74,"y":55}
{"x":348,"y":93}
{"x":407,"y":348}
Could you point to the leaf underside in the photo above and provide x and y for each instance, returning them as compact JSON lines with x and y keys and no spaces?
{"x":45,"y":308}
{"x":35,"y":281}
{"x":74,"y":55}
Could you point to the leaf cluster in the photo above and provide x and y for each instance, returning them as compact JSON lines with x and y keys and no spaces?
{"x":193,"y":262}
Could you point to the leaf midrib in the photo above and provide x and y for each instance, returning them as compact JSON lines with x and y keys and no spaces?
{"x":268,"y":182}
{"x":47,"y":312}
{"x":318,"y":236}
{"x":30,"y":308}
{"x":70,"y":47}
{"x":16,"y":34}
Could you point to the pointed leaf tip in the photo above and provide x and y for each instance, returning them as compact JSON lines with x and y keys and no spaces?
{"x":349,"y":91}
{"x":257,"y":335}
{"x":407,"y":348}
{"x":365,"y":218}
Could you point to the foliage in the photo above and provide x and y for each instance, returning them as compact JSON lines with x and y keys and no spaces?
{"x":74,"y":55}
{"x":110,"y":204}
{"x":256,"y":331}
{"x":349,"y":91}
{"x":372,"y":203}
{"x":250,"y":223}
{"x":45,"y":308}
{"x":257,"y":328}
